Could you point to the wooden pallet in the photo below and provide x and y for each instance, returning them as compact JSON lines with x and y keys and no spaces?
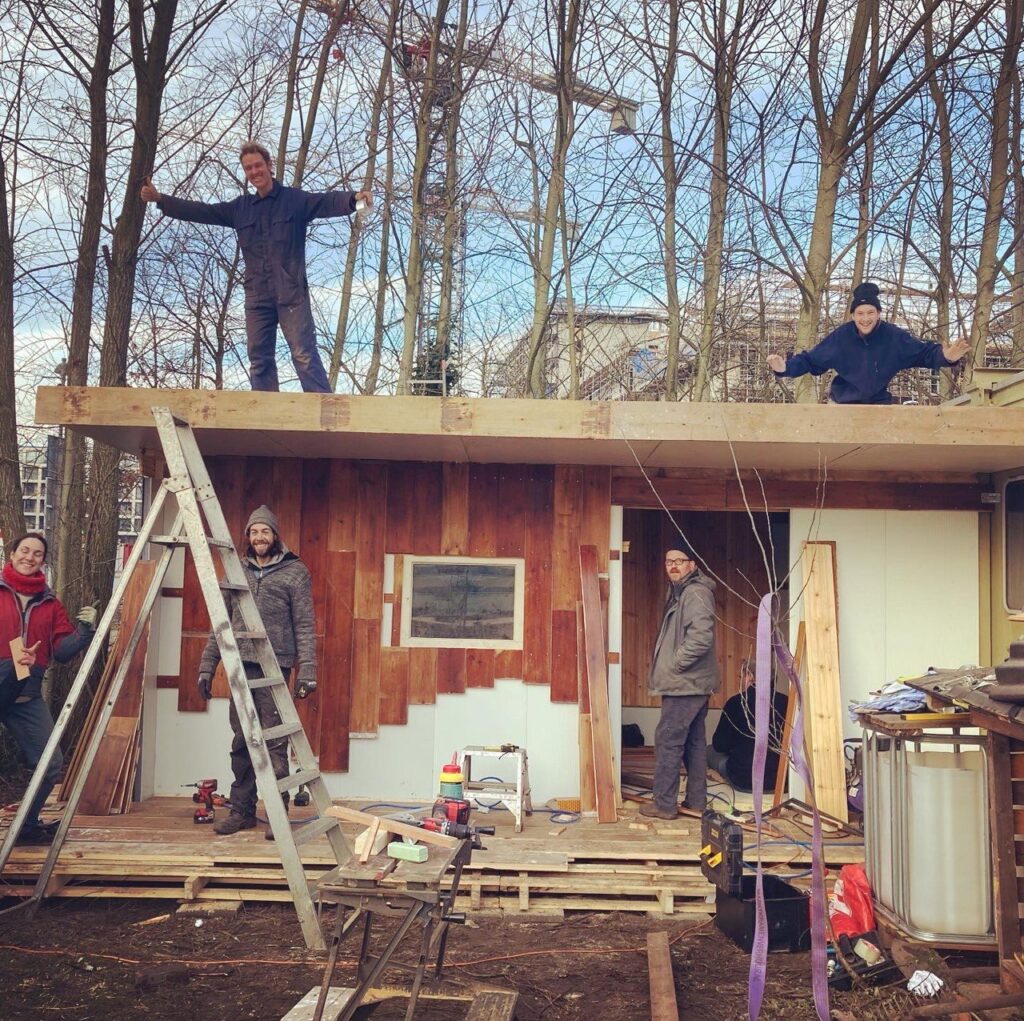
{"x":157,"y":853}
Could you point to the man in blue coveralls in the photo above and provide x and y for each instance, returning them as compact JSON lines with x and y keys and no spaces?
{"x":271,"y":226}
{"x":865,"y":353}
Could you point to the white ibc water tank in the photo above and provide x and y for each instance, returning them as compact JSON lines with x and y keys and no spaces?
{"x":950,"y":875}
{"x":926,"y":832}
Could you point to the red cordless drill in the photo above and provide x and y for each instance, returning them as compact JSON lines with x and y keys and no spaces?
{"x":454,"y":829}
{"x":204,"y":798}
{"x":455,"y":810}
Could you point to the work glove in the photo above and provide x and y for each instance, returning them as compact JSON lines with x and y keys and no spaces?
{"x":205,"y":686}
{"x":306,"y":683}
{"x":924,"y":983}
{"x":86,"y":617}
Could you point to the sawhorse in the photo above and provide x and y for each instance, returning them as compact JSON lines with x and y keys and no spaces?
{"x":407,"y":890}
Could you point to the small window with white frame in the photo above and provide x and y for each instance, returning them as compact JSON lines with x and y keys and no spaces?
{"x":463,"y":602}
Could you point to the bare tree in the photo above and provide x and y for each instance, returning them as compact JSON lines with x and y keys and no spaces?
{"x":12,"y":518}
{"x":93,"y":76}
{"x":999,"y":172}
{"x":1017,"y":280}
{"x":568,"y":31}
{"x":152,"y":57}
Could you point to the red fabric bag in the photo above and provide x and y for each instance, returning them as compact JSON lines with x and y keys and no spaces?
{"x":851,"y":907}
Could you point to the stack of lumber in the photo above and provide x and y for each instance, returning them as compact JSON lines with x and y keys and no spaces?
{"x":108,"y":788}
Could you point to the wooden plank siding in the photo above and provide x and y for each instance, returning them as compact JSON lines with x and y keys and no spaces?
{"x":711,"y":489}
{"x":342,"y":517}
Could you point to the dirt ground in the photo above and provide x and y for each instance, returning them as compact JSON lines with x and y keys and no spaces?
{"x":79,"y":960}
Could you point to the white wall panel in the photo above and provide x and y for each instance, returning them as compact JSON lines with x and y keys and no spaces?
{"x":908,"y":592}
{"x":401,"y":763}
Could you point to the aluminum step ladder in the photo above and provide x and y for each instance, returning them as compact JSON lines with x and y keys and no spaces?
{"x":189,"y":486}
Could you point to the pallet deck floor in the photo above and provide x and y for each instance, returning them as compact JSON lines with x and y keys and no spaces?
{"x":634,"y":864}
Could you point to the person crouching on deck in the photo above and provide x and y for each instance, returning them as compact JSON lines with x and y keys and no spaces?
{"x":30,"y":611}
{"x":865,"y":353}
{"x":271,"y":228}
{"x":281,"y":585}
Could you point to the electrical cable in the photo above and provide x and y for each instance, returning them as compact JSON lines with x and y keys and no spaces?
{"x":350,"y":961}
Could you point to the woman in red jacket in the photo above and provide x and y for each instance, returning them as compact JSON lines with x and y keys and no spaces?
{"x":30,"y":611}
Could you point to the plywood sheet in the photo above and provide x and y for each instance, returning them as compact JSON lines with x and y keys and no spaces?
{"x":823,"y":712}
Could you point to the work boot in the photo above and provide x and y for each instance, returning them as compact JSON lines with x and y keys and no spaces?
{"x":652,"y":811}
{"x":233,"y":823}
{"x":37,"y":833}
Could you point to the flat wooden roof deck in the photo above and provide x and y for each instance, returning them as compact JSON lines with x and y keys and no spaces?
{"x":936,"y":441}
{"x":635,"y":864}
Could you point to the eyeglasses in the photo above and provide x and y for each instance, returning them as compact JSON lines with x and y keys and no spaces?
{"x":678,"y":562}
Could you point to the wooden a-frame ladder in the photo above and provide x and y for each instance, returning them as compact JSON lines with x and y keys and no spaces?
{"x":188,"y":485}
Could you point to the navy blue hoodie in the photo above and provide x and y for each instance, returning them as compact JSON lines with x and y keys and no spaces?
{"x":865,"y":366}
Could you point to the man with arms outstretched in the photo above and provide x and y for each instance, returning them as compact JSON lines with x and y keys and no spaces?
{"x":865,"y":353}
{"x":271,"y":226}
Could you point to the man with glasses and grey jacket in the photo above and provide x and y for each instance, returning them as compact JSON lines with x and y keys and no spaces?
{"x":684,"y":672}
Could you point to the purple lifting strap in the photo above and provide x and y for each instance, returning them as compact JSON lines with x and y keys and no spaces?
{"x":769,"y":640}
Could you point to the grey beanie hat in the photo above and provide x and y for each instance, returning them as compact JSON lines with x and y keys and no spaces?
{"x":263,"y":515}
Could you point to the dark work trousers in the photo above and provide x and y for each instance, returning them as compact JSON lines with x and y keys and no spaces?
{"x":243,"y":790}
{"x":31,"y":724}
{"x":262,"y":317}
{"x":680,"y":740}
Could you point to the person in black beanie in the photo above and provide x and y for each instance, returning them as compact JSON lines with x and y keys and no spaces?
{"x":866,"y":353}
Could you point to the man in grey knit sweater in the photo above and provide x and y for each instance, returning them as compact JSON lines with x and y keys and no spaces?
{"x":282,"y":587}
{"x":684,"y":672}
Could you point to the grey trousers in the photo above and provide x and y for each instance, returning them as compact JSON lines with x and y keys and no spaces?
{"x":243,"y":789}
{"x":680,"y":740}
